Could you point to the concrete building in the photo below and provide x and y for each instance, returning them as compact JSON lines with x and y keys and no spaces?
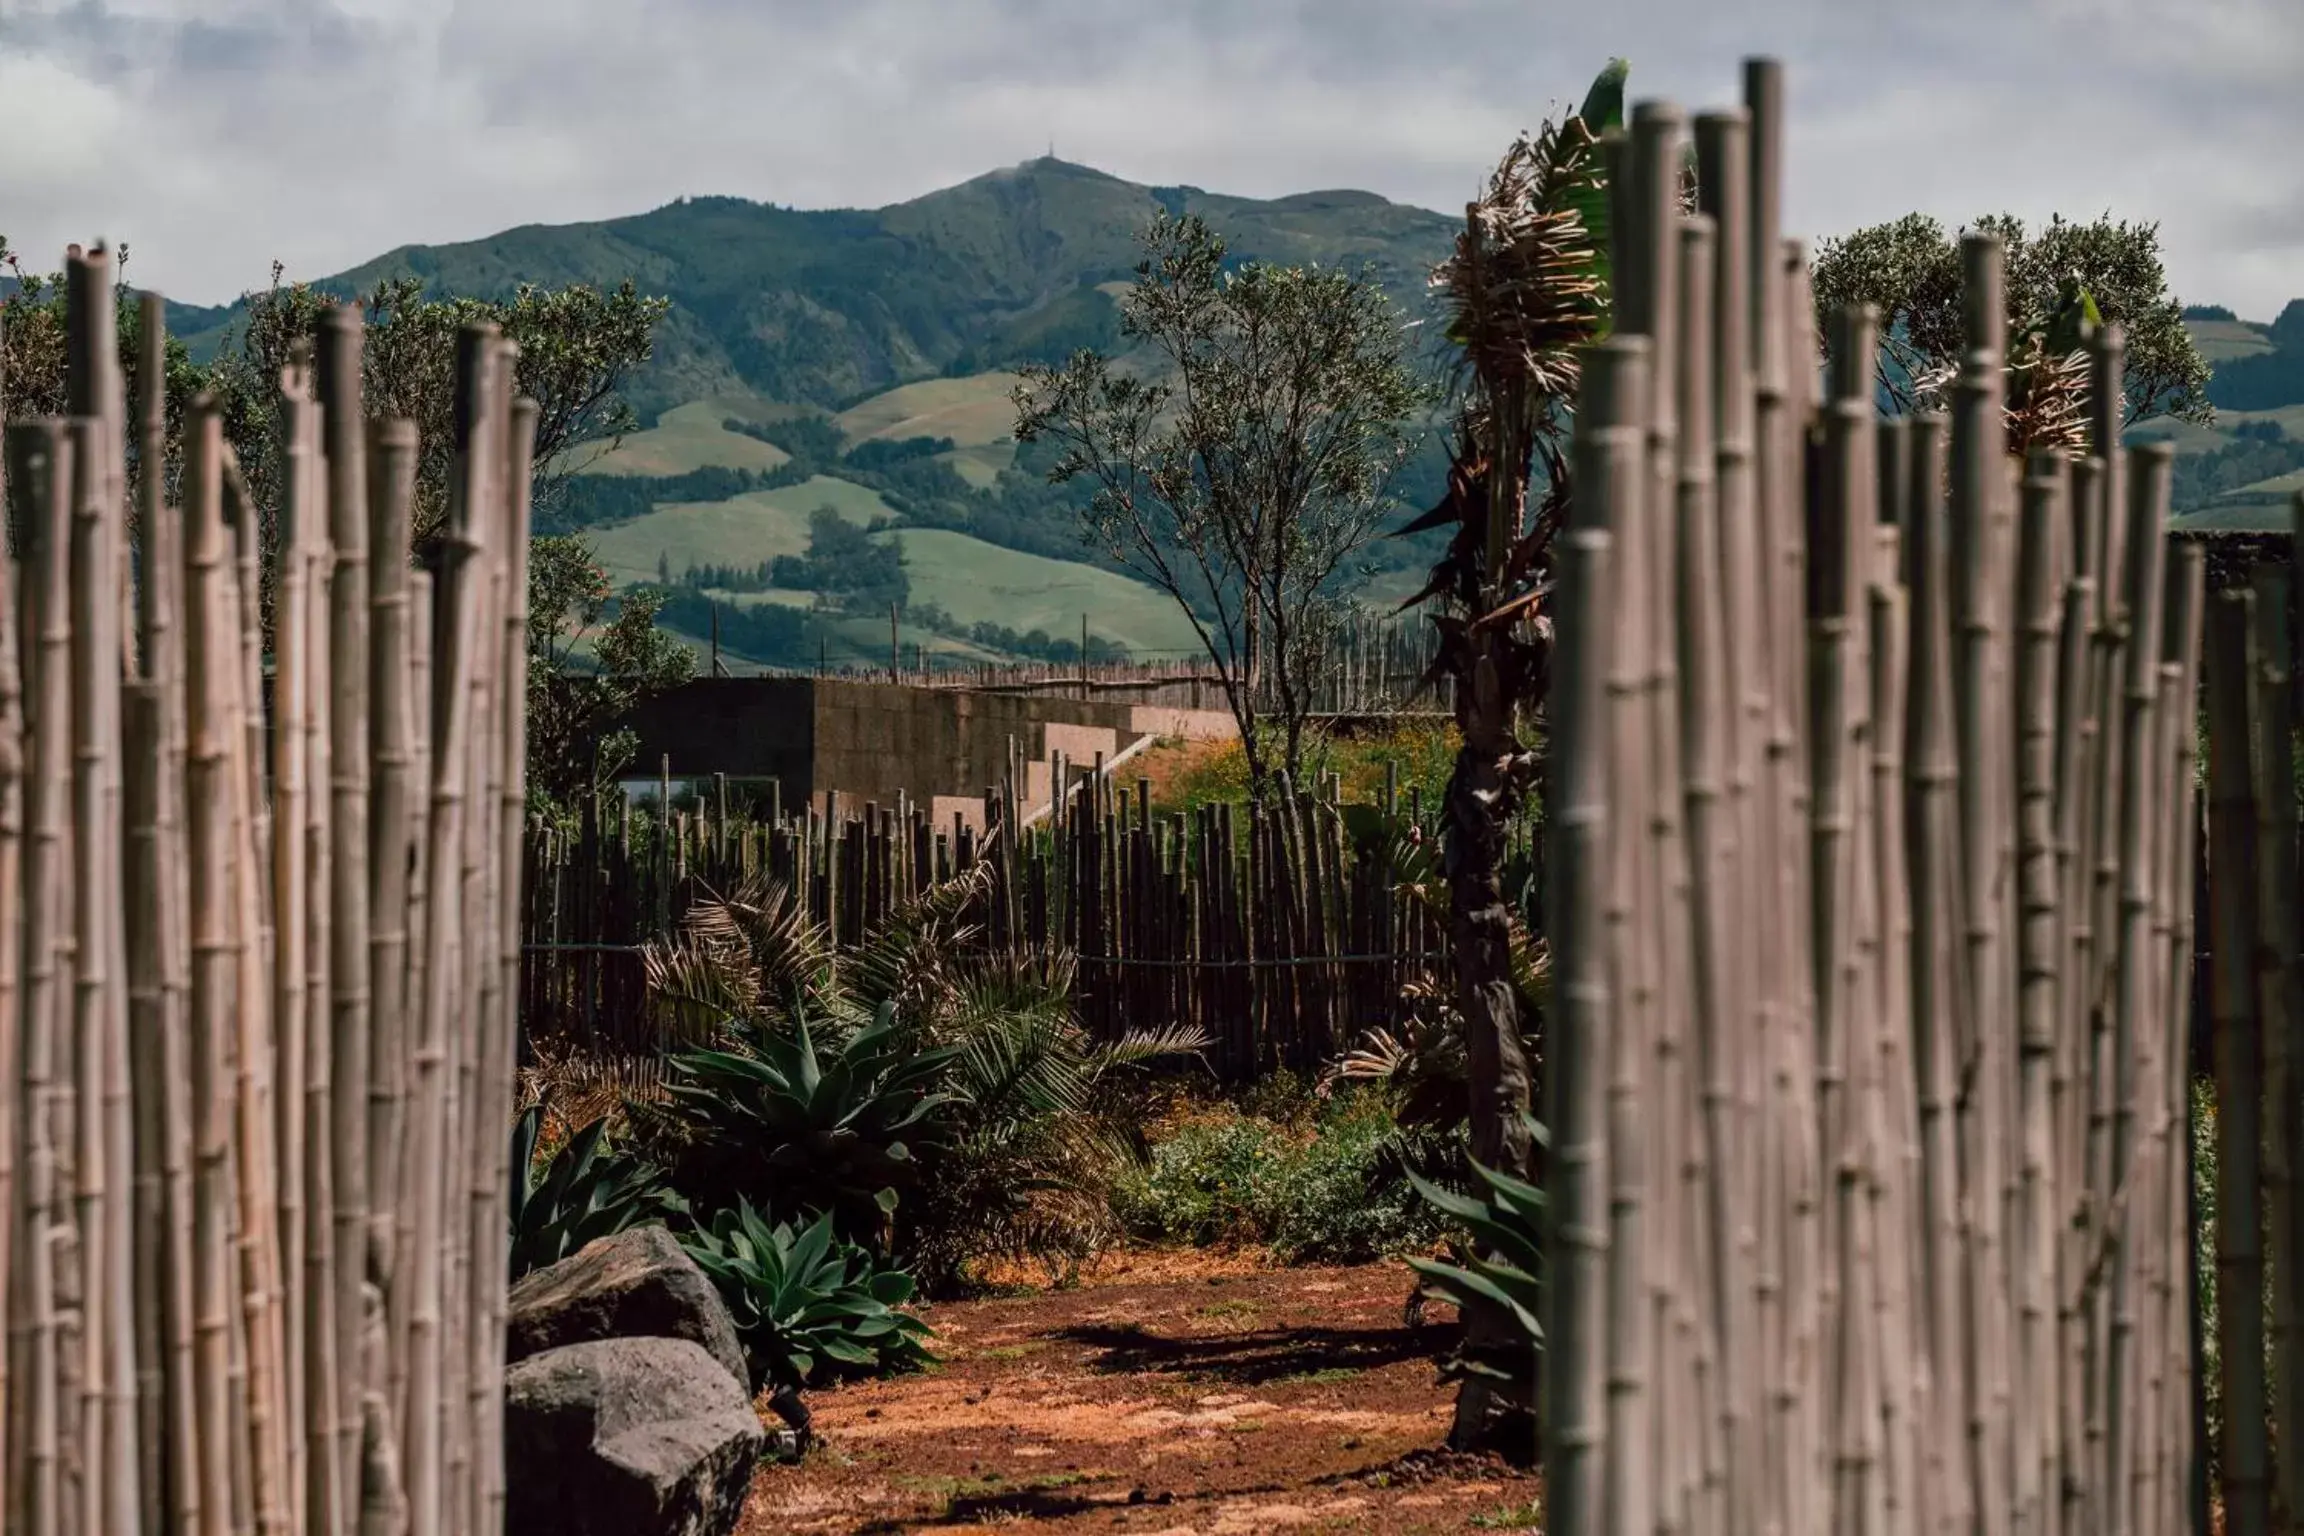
{"x":941,"y":747}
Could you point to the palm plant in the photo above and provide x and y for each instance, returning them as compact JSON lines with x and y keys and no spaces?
{"x":1051,"y":1118}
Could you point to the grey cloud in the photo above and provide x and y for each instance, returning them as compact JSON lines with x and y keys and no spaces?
{"x":326,"y":133}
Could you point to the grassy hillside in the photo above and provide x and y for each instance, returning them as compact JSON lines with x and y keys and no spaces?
{"x":975,"y":411}
{"x":741,"y":531}
{"x":688,"y":437}
{"x":977,"y":582}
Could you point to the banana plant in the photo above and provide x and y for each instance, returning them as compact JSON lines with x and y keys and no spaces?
{"x":1526,"y":290}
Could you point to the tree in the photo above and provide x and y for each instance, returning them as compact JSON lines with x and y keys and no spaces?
{"x":1243,"y":474}
{"x":577,"y":347}
{"x":1909,"y":270}
{"x":1524,"y":291}
{"x":32,"y":360}
{"x":574,"y":746}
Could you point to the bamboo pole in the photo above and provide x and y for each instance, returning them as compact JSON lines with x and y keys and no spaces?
{"x":2232,"y":912}
{"x":40,"y":478}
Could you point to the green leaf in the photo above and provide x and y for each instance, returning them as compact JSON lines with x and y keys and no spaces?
{"x":1603,"y":107}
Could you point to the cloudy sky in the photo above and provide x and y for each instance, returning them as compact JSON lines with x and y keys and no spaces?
{"x":217,"y":135}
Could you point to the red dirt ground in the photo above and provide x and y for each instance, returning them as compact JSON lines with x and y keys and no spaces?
{"x":1168,"y":1395}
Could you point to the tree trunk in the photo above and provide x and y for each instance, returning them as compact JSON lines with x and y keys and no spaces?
{"x":1483,"y":791}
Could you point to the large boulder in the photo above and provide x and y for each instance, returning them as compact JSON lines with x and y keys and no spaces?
{"x":637,"y":1284}
{"x":626,"y":1437}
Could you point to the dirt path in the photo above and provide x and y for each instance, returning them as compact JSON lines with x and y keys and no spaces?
{"x":1185,"y":1397}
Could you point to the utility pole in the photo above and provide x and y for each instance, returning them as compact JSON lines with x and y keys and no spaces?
{"x":895,"y":649}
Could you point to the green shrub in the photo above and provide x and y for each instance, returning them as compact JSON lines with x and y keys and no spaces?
{"x":1208,"y":1183}
{"x":1346,"y":1198}
{"x":1336,"y":1191}
{"x":580,"y":1193}
{"x":808,"y":1306}
{"x":942,"y":1102}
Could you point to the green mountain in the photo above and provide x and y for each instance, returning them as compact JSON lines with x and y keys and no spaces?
{"x":854,"y":362}
{"x":828,"y":307}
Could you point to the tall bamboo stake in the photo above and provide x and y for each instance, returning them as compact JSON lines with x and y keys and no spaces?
{"x":1943,"y":1207}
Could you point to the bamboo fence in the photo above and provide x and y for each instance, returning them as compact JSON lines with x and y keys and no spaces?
{"x":256,"y":1003}
{"x":1370,"y":663}
{"x":1283,"y":930}
{"x":1873,"y":838}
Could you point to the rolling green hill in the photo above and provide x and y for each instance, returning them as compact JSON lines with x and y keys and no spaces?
{"x":829,"y":307}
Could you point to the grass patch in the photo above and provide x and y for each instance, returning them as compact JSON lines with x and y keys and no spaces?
{"x":978,"y":582}
{"x":741,"y":531}
{"x":1226,"y":1309}
{"x":1012,"y":1351}
{"x":989,"y":1485}
{"x":1330,"y":1376}
{"x":980,"y":466}
{"x":685,"y":438}
{"x":1513,"y":1517}
{"x":974,"y":411}
{"x":1420,"y":755}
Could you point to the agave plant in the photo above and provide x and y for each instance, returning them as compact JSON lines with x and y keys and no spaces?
{"x":915,"y":1059}
{"x":1500,"y":1275}
{"x":582,"y":1192}
{"x":808,"y":1306}
{"x":779,"y":1115}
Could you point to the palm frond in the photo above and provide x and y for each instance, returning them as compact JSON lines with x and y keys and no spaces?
{"x":2048,"y":398}
{"x":1142,"y":1045}
{"x":696,"y":988}
{"x":1523,"y":291}
{"x":909,"y":957}
{"x":790,"y":954}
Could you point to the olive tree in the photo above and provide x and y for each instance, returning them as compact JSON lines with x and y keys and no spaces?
{"x":1909,"y":270}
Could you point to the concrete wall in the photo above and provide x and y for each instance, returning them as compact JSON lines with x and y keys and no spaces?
{"x":938,"y":746}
